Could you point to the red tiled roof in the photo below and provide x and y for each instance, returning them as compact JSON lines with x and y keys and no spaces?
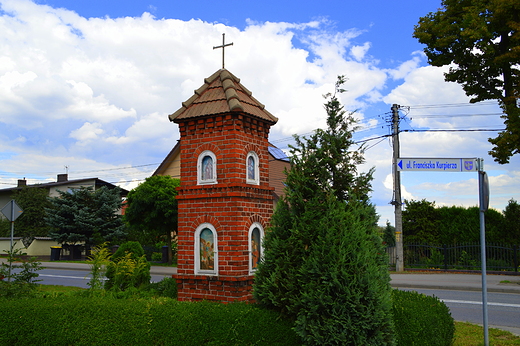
{"x":222,"y":93}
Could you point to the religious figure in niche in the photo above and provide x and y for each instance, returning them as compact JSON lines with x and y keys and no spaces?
{"x":207,"y":260}
{"x":251,"y":168}
{"x":255,"y":248}
{"x":207,"y":168}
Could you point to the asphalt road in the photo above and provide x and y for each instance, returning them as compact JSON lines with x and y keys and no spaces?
{"x":76,"y":278}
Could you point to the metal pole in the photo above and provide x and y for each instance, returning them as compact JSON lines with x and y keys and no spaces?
{"x":399,"y":261}
{"x":12,"y":240}
{"x":481,"y":181}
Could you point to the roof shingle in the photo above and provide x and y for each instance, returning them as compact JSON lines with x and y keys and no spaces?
{"x":221,"y":93}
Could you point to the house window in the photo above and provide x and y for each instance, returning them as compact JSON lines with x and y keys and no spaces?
{"x":252,"y":171}
{"x":256,"y":235}
{"x":206,"y":254}
{"x":207,"y":168}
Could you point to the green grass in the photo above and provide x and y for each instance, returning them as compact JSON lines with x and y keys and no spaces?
{"x":467,"y":334}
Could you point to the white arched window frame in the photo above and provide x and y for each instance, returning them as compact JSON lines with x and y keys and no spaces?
{"x":256,"y":246}
{"x":206,"y":250}
{"x":252,"y":168}
{"x":206,"y":168}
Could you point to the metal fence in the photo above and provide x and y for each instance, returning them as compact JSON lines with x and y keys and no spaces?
{"x":499,"y":257}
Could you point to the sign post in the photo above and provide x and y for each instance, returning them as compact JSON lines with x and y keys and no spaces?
{"x":12,"y":211}
{"x":483,"y":192}
{"x":461,"y":165}
{"x":437,"y":165}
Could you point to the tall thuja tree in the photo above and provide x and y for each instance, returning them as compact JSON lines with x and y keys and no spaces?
{"x":85,"y":215}
{"x":324,"y":263}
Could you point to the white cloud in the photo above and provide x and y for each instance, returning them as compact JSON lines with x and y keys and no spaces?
{"x":95,"y":93}
{"x":87,"y":132}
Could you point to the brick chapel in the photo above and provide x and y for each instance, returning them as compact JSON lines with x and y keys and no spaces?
{"x":225,"y":198}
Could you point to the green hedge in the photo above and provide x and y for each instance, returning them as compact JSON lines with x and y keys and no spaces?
{"x":74,"y":320}
{"x":106,"y":320}
{"x":421,"y":320}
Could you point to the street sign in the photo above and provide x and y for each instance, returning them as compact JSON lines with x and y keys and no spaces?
{"x":11,"y":210}
{"x":437,"y":165}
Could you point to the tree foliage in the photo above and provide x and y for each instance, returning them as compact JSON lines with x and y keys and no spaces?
{"x":482,"y":39}
{"x":512,"y":222}
{"x":420,"y":222}
{"x":85,"y":215}
{"x":31,"y":223}
{"x":423,"y":222}
{"x":325,"y":159}
{"x":152,"y":210}
{"x":323,"y":263}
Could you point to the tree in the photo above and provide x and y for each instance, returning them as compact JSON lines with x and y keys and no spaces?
{"x":481,"y":38}
{"x":152,"y":209}
{"x":324,"y":264}
{"x":512,"y":222}
{"x":31,"y":223}
{"x":85,"y":215}
{"x":325,"y":160}
{"x":420,"y":222}
{"x":388,"y":234}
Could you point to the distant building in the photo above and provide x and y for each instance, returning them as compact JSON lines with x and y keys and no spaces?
{"x":62,"y":184}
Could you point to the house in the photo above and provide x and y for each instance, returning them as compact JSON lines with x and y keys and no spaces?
{"x":62,"y":184}
{"x":39,"y":246}
{"x":278,"y":163}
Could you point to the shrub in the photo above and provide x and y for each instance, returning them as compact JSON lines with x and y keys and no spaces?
{"x":98,"y":262}
{"x":16,"y":283}
{"x":328,"y":271}
{"x":129,"y":268}
{"x":126,"y":272}
{"x":167,"y":287}
{"x":421,"y":320}
{"x":98,"y":320}
{"x":132,"y":247}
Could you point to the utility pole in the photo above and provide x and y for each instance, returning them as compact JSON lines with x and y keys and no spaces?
{"x":399,"y":260}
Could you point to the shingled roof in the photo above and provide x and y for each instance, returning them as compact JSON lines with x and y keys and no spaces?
{"x":222,"y":93}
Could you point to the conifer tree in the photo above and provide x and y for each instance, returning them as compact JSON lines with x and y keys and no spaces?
{"x":324,"y":264}
{"x":85,"y":215}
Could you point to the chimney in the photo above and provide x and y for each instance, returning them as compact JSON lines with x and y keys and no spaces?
{"x":62,"y":178}
{"x":22,"y":182}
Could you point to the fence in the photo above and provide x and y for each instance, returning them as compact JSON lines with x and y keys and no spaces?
{"x":499,"y":257}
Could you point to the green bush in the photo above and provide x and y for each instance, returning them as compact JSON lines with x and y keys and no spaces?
{"x":167,"y":287}
{"x":129,"y":268}
{"x":132,"y":247}
{"x":18,"y":276}
{"x":126,"y":272}
{"x":328,"y":271}
{"x":421,"y":320}
{"x":76,"y":320}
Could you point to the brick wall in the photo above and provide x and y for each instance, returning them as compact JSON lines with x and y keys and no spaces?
{"x":231,"y":206}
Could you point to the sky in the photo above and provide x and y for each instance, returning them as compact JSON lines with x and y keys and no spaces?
{"x":86,"y":87}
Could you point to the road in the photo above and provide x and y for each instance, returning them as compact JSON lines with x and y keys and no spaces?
{"x":76,"y":278}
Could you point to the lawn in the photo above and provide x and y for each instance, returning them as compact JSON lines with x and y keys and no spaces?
{"x":467,"y":334}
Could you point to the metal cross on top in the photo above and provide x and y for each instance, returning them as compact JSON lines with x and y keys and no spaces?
{"x":224,"y":45}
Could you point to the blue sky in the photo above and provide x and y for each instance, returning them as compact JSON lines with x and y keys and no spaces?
{"x":89,"y":86}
